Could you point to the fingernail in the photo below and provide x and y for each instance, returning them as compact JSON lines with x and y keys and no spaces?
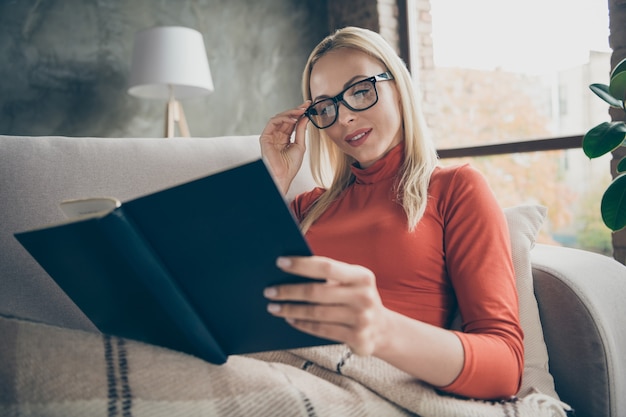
{"x":270,"y":292}
{"x":283,"y":262}
{"x":273,"y":307}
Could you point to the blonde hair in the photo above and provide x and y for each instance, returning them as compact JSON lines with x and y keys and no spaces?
{"x":328,"y":161}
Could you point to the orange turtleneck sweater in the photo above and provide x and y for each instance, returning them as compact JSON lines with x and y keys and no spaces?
{"x":458,"y":256}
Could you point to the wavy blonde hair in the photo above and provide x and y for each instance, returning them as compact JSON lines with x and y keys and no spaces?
{"x":327,"y":161}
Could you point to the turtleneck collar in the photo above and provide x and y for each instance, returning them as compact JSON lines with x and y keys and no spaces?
{"x":385,"y":168}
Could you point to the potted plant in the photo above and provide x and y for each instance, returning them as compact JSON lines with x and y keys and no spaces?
{"x":605,"y":138}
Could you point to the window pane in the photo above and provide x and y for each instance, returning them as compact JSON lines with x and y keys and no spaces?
{"x":508,"y":71}
{"x":566,"y":182}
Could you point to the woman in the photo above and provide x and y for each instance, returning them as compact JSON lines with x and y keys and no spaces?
{"x":400,"y":241}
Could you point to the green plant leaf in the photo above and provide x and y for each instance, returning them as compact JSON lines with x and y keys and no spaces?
{"x":621,"y":166}
{"x":620,"y":67}
{"x":602,"y":91}
{"x":613,"y":205}
{"x":617,"y":86}
{"x":603,"y":138}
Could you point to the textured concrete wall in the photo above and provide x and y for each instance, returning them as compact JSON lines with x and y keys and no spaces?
{"x":65,"y":64}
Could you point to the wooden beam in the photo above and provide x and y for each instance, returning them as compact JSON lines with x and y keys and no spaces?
{"x":538,"y":145}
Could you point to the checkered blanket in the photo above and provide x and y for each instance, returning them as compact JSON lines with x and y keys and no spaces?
{"x":51,"y":371}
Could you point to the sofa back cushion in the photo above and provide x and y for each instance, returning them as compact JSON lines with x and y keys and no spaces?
{"x":524,"y":222}
{"x":36,"y":173}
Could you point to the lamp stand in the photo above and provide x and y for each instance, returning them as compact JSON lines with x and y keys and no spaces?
{"x":174,"y":115}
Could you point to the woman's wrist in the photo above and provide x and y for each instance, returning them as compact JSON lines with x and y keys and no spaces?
{"x":432,"y":354}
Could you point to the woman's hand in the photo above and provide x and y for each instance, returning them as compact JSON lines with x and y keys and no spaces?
{"x":346,"y":307}
{"x":283,"y":156}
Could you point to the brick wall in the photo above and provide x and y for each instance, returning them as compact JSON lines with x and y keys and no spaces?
{"x":362,"y":13}
{"x":388,"y":21}
{"x":378,"y":15}
{"x":422,"y":59}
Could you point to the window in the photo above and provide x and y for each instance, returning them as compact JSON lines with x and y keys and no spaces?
{"x":505,"y":71}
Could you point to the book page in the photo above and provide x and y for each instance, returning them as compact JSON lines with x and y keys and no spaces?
{"x":89,"y":207}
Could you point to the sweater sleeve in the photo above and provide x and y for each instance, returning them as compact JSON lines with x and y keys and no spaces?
{"x":480,"y":267}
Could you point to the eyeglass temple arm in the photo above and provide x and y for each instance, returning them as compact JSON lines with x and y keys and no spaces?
{"x":384,"y":76}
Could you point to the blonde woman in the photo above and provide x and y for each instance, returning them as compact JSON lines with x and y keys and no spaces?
{"x":400,"y":241}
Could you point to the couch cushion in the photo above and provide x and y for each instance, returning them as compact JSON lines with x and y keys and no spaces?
{"x":524,"y":223}
{"x":36,"y":173}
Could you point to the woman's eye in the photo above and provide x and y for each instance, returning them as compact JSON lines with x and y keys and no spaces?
{"x":361,"y":93}
{"x":327,"y":111}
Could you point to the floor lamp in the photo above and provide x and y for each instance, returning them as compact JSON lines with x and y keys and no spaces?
{"x":170,"y":62}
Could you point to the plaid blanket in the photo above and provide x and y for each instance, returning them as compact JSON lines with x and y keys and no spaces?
{"x":52,"y":371}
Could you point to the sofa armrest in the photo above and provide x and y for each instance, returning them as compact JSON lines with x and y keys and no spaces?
{"x":581,"y":297}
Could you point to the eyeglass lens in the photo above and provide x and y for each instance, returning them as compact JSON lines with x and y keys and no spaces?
{"x":359,"y":96}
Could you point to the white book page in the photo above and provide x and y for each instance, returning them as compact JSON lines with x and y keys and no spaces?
{"x":89,"y":207}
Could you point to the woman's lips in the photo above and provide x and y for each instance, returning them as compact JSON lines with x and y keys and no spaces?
{"x":358,"y":137}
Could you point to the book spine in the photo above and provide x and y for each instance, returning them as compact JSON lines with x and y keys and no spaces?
{"x":122,"y":231}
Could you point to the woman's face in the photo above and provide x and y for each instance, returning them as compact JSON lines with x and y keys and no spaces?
{"x":365,"y":135}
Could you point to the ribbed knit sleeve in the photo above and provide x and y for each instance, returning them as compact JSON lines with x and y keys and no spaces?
{"x":480,"y":268}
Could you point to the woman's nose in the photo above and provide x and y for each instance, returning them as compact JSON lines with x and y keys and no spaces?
{"x":345,"y":116}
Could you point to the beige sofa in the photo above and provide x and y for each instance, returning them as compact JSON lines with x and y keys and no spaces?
{"x":580,"y":295}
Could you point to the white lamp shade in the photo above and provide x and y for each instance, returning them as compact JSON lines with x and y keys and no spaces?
{"x":169,"y":60}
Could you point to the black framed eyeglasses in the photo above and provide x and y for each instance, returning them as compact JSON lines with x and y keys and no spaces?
{"x":357,"y":97}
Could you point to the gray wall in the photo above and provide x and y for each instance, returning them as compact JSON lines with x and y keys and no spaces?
{"x":65,"y":64}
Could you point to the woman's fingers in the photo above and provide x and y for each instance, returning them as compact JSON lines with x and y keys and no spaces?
{"x":358,"y":330}
{"x":361,"y":343}
{"x":282,"y":125}
{"x":301,"y":130}
{"x":346,"y":307}
{"x":311,"y":312}
{"x":329,"y":292}
{"x":328,"y":313}
{"x":283,"y":156}
{"x":305,"y":298}
{"x":343,"y":283}
{"x":320,"y":267}
{"x":286,"y":121}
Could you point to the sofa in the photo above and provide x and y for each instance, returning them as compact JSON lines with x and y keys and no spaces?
{"x":578,"y":296}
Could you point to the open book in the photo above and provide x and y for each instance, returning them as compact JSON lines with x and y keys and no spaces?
{"x":182,"y":268}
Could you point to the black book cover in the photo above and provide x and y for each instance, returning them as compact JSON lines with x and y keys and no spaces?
{"x":184,"y":267}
